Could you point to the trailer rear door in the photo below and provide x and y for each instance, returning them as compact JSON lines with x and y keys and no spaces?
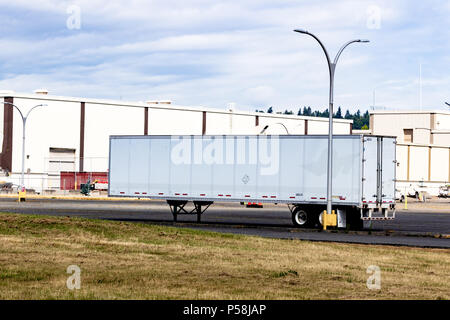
{"x":379,"y":170}
{"x":388,"y":169}
{"x":370,"y":172}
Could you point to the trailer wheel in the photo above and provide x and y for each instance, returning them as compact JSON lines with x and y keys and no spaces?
{"x":300,"y":218}
{"x":354,"y":220}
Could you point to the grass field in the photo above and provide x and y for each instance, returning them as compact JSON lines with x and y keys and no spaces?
{"x":121,"y":260}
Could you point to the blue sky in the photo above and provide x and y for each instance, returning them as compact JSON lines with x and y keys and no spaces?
{"x":212,"y":53}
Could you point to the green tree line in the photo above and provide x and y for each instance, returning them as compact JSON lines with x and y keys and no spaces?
{"x":360,"y":120}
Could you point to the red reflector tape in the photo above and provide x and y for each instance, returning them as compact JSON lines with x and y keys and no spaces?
{"x":122,"y":192}
{"x":322,"y":198}
{"x":144,"y":192}
{"x":247,"y":196}
{"x":273,"y":196}
{"x":136,"y":193}
{"x":228,"y":195}
{"x":202,"y":194}
{"x":292,"y":197}
{"x":160,"y":193}
{"x":184,"y":194}
{"x":177,"y":194}
{"x":313,"y":197}
{"x":220,"y":195}
{"x":264,"y":196}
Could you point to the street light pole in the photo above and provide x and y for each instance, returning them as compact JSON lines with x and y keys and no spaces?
{"x":331,"y":69}
{"x":24,"y":120}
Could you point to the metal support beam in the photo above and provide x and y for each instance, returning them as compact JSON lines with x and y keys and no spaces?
{"x":204,"y":123}
{"x":82,"y":128}
{"x":146,"y":121}
{"x":7,"y":147}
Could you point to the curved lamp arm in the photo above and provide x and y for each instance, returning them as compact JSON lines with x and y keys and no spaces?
{"x":39,"y":105}
{"x":21,"y":114}
{"x":11,"y":104}
{"x":267,"y":126}
{"x":321,"y":44}
{"x":345,"y":46}
{"x":287,"y":131}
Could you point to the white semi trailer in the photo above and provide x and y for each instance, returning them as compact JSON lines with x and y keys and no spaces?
{"x":288,"y":169}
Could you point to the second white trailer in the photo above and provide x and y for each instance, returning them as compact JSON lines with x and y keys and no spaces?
{"x":287,"y":169}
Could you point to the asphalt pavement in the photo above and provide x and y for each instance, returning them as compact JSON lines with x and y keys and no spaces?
{"x":419,"y":228}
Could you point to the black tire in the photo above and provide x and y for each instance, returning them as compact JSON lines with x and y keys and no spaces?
{"x":354,"y":220}
{"x":303,"y":218}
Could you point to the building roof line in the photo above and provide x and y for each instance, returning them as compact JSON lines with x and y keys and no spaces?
{"x":408,"y":112}
{"x":124,"y":103}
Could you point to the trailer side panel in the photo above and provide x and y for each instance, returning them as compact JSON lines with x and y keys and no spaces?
{"x":235,"y":168}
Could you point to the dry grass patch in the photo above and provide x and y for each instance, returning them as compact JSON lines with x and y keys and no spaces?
{"x":121,"y":260}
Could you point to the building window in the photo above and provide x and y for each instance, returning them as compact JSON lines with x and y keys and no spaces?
{"x":408,"y":135}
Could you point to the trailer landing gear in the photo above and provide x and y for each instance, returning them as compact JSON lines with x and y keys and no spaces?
{"x":177,"y":207}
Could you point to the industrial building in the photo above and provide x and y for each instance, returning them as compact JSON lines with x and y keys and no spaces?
{"x":71,"y":135}
{"x":423,"y":147}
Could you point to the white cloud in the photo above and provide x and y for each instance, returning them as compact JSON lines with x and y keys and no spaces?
{"x":211,"y":53}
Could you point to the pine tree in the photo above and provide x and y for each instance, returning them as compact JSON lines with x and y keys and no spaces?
{"x":270,"y":110}
{"x":338,"y":113}
{"x":347,"y":115}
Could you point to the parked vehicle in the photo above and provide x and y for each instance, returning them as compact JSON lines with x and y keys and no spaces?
{"x":289,"y":169}
{"x":399,"y":196}
{"x":444,"y":191}
{"x":414,"y":190}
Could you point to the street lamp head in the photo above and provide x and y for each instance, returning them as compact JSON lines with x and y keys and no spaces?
{"x":301,"y":31}
{"x":264,"y":129}
{"x":363,"y":40}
